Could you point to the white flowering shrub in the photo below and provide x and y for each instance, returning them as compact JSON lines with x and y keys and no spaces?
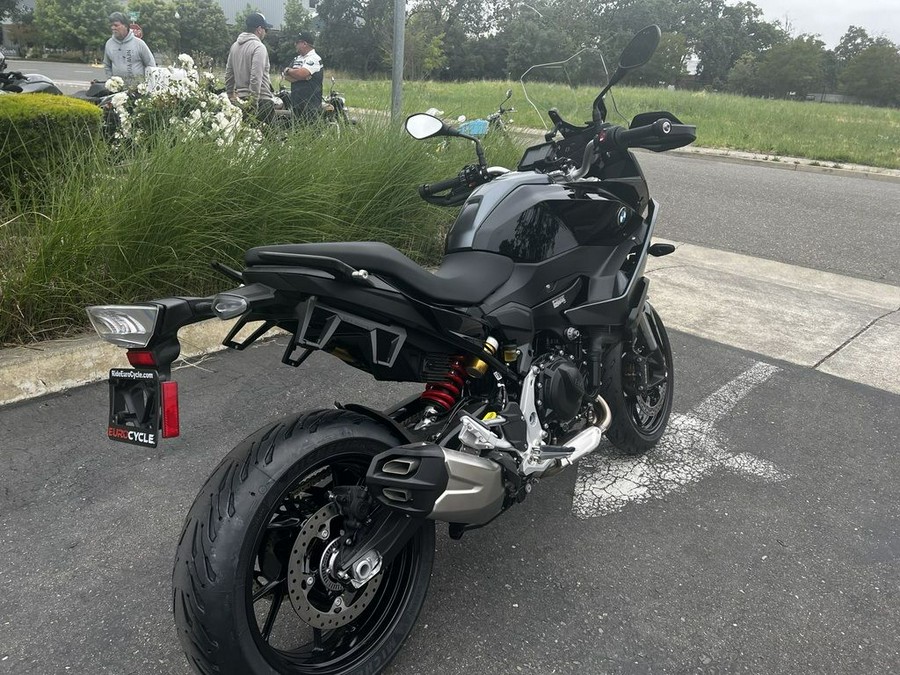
{"x":181,"y":99}
{"x":115,"y":84}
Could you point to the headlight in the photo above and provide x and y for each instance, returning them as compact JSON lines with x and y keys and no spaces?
{"x":129,"y":326}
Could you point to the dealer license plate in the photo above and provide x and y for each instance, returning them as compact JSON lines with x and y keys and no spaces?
{"x":134,"y":406}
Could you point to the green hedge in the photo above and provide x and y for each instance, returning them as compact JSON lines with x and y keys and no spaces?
{"x":41,"y":133}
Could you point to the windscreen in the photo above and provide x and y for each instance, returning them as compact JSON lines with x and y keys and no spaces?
{"x":569,"y":85}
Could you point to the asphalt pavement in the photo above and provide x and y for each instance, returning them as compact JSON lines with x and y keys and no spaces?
{"x":761,"y":536}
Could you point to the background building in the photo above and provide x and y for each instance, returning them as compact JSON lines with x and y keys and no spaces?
{"x":272,"y":9}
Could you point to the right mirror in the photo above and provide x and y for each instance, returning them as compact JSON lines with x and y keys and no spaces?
{"x":641,"y":48}
{"x":421,"y":126}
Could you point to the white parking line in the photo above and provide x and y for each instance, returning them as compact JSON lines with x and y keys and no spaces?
{"x":691,"y":450}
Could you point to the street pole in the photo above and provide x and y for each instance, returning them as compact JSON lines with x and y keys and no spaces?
{"x":397,"y":72}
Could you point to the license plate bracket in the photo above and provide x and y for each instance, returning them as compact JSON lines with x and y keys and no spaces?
{"x":134,"y":406}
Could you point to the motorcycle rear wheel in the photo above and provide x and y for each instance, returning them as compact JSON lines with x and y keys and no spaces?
{"x":230,"y":581}
{"x":640,"y":406}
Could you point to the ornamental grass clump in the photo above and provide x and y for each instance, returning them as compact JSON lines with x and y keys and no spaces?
{"x":146,"y":223}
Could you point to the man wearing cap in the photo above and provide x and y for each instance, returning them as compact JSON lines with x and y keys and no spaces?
{"x":247,"y":68}
{"x":305,"y":75}
{"x":125,"y":54}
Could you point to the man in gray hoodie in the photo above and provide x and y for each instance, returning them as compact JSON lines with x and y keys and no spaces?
{"x":247,"y":69}
{"x":126,"y":55}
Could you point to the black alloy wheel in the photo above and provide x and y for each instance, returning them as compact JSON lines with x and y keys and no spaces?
{"x":638,"y":384}
{"x":255,"y":589}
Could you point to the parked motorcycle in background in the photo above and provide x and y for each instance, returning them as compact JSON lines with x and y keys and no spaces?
{"x":15,"y":82}
{"x":334,"y":107}
{"x":99,"y":95}
{"x":310,"y":548}
{"x":496,"y":121}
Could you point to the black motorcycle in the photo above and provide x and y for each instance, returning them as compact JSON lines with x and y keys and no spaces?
{"x":15,"y":82}
{"x":333,"y":112}
{"x":309,"y":549}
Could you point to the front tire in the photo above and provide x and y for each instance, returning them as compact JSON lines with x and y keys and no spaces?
{"x":639,"y":385}
{"x":231,"y":594}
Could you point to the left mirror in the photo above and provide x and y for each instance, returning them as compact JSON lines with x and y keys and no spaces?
{"x":421,"y":126}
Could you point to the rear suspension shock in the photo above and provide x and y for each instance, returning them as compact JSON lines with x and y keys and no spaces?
{"x":447,"y":392}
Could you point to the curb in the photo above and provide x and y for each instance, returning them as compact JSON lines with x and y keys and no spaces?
{"x":792,"y":163}
{"x":56,"y":365}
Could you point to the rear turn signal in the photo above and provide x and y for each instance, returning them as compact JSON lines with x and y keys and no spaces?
{"x":170,"y":422}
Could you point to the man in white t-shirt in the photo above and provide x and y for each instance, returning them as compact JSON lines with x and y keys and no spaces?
{"x":305,"y":75}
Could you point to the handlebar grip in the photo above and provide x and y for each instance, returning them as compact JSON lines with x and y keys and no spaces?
{"x":626,"y":138}
{"x":429,"y":189}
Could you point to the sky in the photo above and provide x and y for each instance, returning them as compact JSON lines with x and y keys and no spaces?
{"x":831,"y":18}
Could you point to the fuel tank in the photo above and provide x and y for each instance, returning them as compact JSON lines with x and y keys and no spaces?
{"x":527,"y":217}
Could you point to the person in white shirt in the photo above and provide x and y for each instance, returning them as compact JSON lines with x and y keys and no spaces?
{"x":305,"y":75}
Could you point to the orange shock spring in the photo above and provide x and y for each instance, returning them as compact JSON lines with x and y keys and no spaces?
{"x":447,"y":392}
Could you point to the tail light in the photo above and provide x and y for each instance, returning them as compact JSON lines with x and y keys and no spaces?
{"x":141,"y":358}
{"x":129,"y":326}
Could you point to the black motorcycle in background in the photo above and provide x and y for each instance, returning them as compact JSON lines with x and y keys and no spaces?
{"x":16,"y":82}
{"x":310,"y":547}
{"x":333,"y":111}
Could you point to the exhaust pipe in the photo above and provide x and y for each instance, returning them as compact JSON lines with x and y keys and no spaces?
{"x":426,"y":480}
{"x":582,"y":443}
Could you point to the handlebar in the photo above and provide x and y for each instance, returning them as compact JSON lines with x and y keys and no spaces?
{"x":619,"y":138}
{"x":663,"y":134}
{"x":622,"y":139}
{"x":460,"y":186}
{"x":431,"y":189}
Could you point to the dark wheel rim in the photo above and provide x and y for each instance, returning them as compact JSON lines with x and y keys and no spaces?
{"x":286,"y":642}
{"x":647,"y":382}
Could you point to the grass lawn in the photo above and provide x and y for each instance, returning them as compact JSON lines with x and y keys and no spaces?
{"x":827,"y":132}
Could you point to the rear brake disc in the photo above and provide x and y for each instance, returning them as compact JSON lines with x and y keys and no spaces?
{"x":318,"y":597}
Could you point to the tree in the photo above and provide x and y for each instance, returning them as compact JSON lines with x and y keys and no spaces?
{"x":531,"y":41}
{"x":424,"y":55}
{"x":74,"y":24}
{"x":158,"y":23}
{"x":793,"y":69}
{"x":202,"y":29}
{"x":351,"y":33}
{"x":743,"y":77}
{"x":668,"y":64}
{"x":873,"y":75}
{"x":723,"y":39}
{"x":853,"y":42}
{"x":282,"y":43}
{"x":7,"y":7}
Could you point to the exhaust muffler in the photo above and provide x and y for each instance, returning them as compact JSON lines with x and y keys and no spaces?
{"x":426,"y":480}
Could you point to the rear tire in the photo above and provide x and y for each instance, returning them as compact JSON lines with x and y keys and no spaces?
{"x":639,"y":417}
{"x":230,"y":580}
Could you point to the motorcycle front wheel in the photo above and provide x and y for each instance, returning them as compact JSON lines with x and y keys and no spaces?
{"x":639,"y":385}
{"x":253,"y":588}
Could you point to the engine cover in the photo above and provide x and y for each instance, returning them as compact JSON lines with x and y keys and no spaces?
{"x":560,"y":391}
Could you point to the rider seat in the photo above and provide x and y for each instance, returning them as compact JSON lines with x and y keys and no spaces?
{"x":464,"y":278}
